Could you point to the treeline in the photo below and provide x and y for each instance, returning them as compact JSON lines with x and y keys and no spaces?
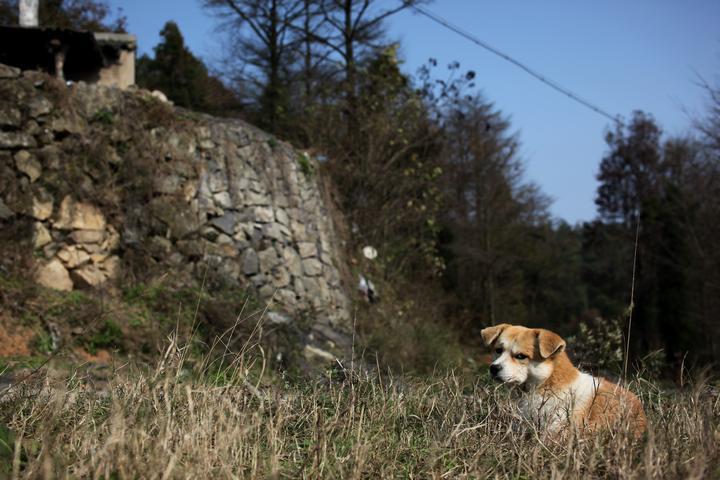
{"x":428,"y":172}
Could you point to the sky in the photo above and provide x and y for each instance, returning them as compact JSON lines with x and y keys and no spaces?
{"x":621,"y":55}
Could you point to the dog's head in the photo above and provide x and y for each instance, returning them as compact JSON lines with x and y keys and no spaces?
{"x":522,"y":355}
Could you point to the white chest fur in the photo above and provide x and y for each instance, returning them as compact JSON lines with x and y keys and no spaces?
{"x":552,"y":410}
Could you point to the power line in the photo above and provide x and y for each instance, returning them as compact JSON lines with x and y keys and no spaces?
{"x":555,"y":86}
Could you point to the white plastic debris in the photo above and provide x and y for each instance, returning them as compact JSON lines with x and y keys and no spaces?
{"x":370,"y":252}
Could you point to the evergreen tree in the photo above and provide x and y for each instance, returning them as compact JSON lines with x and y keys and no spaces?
{"x":181,"y":76}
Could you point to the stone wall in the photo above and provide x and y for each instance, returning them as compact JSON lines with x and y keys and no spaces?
{"x":107,"y":179}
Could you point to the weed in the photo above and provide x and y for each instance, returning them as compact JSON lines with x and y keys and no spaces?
{"x":305,"y":163}
{"x":104,"y":116}
{"x":109,"y":336}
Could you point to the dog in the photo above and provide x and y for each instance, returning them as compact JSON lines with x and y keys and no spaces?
{"x":558,"y":395}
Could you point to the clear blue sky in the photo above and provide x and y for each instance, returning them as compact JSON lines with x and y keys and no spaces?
{"x":622,"y":55}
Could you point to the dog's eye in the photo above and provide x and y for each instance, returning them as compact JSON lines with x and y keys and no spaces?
{"x":498,"y":351}
{"x":520,"y":356}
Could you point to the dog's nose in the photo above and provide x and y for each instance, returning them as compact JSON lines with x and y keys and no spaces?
{"x":495,"y":369}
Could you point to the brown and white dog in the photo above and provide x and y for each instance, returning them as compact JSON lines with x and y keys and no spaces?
{"x":557,"y":394}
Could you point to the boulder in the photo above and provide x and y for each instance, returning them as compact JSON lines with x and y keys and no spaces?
{"x":10,"y":117}
{"x":54,"y":275}
{"x":88,"y":276}
{"x":268,"y":259}
{"x":88,"y":236}
{"x":79,"y":216}
{"x":307,"y":249}
{"x":72,"y":256}
{"x":312,"y":267}
{"x":16,"y":140}
{"x":6,"y":71}
{"x":250,"y":262}
{"x":41,"y":235}
{"x":42,"y":206}
{"x":28,"y":165}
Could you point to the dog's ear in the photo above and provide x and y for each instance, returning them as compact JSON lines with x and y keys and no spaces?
{"x":490,"y":334}
{"x":549,"y":343}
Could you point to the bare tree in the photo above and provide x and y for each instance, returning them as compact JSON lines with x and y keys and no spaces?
{"x":263,"y":41}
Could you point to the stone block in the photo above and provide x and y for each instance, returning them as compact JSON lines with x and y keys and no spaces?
{"x":88,"y":236}
{"x":41,"y":235}
{"x":226,"y":223}
{"x":268,"y":259}
{"x":250,"y":262}
{"x":307,"y":249}
{"x":16,"y":140}
{"x":79,"y":216}
{"x":53,"y":274}
{"x":88,"y":276}
{"x":72,"y":256}
{"x":312,"y":267}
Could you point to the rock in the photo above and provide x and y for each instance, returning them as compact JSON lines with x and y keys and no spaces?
{"x":226,"y":223}
{"x":266,"y":291}
{"x":217,"y":182}
{"x":252,"y":198}
{"x":273,"y":231}
{"x":112,"y":239}
{"x":5,"y":211}
{"x":98,"y":257}
{"x":307,"y":249}
{"x":88,"y":276}
{"x":180,"y":220}
{"x":111,"y":266}
{"x":79,"y":216}
{"x":73,"y":256}
{"x":311,"y":287}
{"x":16,"y":140}
{"x":157,"y":94}
{"x":88,"y":236}
{"x":41,"y":235}
{"x":268,"y":259}
{"x":276,"y":318}
{"x":167,"y":184}
{"x":226,"y":250}
{"x":292,"y":261}
{"x":10,"y":117}
{"x":39,"y":106}
{"x":223,"y":239}
{"x":263,"y":214}
{"x":42,"y":207}
{"x":189,"y":191}
{"x":222,"y":199}
{"x":312,"y":267}
{"x":282,"y":217}
{"x":54,"y":275}
{"x":250,"y":262}
{"x":298,"y":230}
{"x":192,"y":248}
{"x":68,"y":124}
{"x":281,"y":277}
{"x":6,"y":71}
{"x":28,"y":164}
{"x":158,"y":246}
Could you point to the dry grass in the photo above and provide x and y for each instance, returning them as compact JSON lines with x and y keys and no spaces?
{"x":171,"y":423}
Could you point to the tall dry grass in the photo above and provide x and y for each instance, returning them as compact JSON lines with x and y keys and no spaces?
{"x":170,"y":423}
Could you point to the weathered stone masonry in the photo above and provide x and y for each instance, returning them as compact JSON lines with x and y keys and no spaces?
{"x":228,"y":197}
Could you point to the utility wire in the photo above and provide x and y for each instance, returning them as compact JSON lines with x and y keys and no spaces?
{"x":555,"y":86}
